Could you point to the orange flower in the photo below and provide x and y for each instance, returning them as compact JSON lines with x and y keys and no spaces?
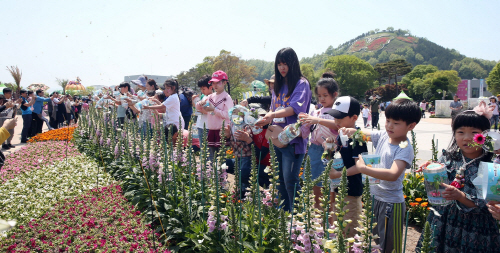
{"x":404,"y":196}
{"x":418,"y":199}
{"x":61,"y":134}
{"x":413,"y":204}
{"x":424,"y":204}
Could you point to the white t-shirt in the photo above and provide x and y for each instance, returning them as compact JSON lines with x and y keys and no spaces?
{"x":173,"y":111}
{"x":365,"y":112}
{"x":201,"y":121}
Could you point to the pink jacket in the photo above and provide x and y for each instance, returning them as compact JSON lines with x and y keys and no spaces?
{"x":222,"y":104}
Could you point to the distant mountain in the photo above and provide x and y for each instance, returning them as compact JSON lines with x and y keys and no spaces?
{"x":382,"y":46}
{"x":387,"y":45}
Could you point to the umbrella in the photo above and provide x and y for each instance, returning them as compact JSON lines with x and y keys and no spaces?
{"x":402,"y":95}
{"x":38,"y":86}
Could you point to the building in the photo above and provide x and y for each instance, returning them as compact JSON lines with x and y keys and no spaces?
{"x":158,"y":79}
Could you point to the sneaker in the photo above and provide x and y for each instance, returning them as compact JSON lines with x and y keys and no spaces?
{"x":6,"y":147}
{"x":11,"y":146}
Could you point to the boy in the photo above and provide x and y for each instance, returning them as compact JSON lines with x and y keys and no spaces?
{"x":201,"y":121}
{"x":346,"y":111}
{"x":366,"y":112}
{"x":396,"y":155}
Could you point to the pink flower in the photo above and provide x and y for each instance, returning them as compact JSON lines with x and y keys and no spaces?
{"x":479,"y":139}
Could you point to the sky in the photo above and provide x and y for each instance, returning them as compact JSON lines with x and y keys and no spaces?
{"x":103,"y":41}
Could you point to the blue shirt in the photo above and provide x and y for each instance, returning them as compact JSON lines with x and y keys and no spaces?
{"x":37,"y":106}
{"x":28,"y":108}
{"x":186,"y":108}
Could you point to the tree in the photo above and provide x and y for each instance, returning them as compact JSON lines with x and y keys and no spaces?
{"x":390,"y":29}
{"x":17,"y":74}
{"x":383,"y":57}
{"x":451,"y":82}
{"x":398,"y":68}
{"x":353,"y":75}
{"x":383,"y":72}
{"x":308,"y":71}
{"x":493,"y":80}
{"x":419,"y":72}
{"x":62,"y":83}
{"x":189,"y":78}
{"x":239,"y":73}
{"x":264,"y":69}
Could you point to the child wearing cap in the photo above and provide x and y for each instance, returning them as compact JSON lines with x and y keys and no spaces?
{"x":396,"y":155}
{"x":346,"y":111}
{"x":217,"y":106}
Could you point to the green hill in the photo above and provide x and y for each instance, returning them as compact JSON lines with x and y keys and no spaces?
{"x":382,"y":46}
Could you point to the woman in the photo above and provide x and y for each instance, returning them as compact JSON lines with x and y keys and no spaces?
{"x":291,"y":95}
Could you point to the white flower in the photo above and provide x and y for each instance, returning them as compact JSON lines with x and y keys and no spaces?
{"x":267,"y":169}
{"x":403,"y":144}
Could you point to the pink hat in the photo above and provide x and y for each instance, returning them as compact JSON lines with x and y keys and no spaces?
{"x":218,"y":75}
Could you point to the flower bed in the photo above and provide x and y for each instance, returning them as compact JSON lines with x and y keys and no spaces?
{"x":408,"y":39}
{"x":30,"y":195}
{"x":358,"y":45}
{"x":100,"y":221}
{"x":34,"y":156}
{"x":61,"y":134}
{"x":378,"y":43}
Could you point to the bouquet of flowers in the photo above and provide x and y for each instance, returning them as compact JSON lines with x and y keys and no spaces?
{"x":489,"y":141}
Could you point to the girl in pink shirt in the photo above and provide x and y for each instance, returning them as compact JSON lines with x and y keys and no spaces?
{"x":321,"y":126}
{"x":216,"y":106}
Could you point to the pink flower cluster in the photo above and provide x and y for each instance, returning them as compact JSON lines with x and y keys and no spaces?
{"x":34,"y":156}
{"x":100,"y":221}
{"x":377,"y":44}
{"x":358,"y":45}
{"x":212,"y":220}
{"x":408,"y":39}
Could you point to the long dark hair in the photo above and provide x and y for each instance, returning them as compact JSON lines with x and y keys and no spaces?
{"x":289,"y":57}
{"x":172,"y":83}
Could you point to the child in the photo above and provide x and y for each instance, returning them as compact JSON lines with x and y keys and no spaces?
{"x":346,"y":112}
{"x":366,"y":113}
{"x":217,"y":110}
{"x":201,"y":121}
{"x":291,"y":96}
{"x":171,"y":105}
{"x":321,"y":126}
{"x":241,"y":142}
{"x":396,"y":155}
{"x":465,"y":225}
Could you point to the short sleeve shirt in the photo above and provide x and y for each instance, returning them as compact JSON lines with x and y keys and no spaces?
{"x":455,"y":104}
{"x":390,"y":191}
{"x":349,"y":153}
{"x":300,"y":101}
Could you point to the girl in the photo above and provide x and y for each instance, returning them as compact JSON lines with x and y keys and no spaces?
{"x":291,"y":95}
{"x":216,"y":106}
{"x":171,"y":104}
{"x":322,"y":127}
{"x":465,"y":225}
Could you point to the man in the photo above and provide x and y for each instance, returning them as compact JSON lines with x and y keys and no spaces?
{"x":8,"y":113}
{"x":37,"y":113}
{"x":27,"y":114}
{"x":455,"y":106}
{"x":374,"y":105}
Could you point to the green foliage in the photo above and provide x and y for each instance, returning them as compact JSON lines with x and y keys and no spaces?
{"x":469,"y":68}
{"x":264,"y":69}
{"x":493,"y":80}
{"x":353,"y":75}
{"x":427,"y":242}
{"x":419,"y":71}
{"x":308,"y":71}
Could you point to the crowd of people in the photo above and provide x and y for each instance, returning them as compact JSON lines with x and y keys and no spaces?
{"x":467,"y":225}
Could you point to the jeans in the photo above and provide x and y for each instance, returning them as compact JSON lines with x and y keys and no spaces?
{"x":494,"y":119}
{"x":365,"y":121}
{"x":317,"y":167}
{"x":289,"y":168}
{"x":245,"y":166}
{"x":374,"y":119}
{"x":26,"y":127}
{"x":144,"y":129}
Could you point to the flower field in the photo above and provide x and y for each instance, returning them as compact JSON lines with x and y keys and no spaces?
{"x":378,"y":43}
{"x":408,"y":39}
{"x":61,"y":134}
{"x":112,"y":190}
{"x":358,"y":45}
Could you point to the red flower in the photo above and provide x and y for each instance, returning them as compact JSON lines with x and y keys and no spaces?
{"x":479,"y":139}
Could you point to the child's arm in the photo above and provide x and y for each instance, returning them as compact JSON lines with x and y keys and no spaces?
{"x":350,"y":171}
{"x":392,"y":174}
{"x":350,"y":131}
{"x":452,"y":193}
